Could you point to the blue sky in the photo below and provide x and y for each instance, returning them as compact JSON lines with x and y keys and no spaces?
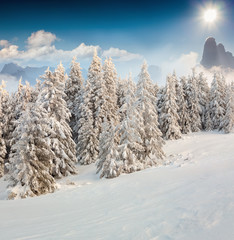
{"x":165,"y":33}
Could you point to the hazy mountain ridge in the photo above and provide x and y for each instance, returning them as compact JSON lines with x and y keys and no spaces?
{"x":28,"y":73}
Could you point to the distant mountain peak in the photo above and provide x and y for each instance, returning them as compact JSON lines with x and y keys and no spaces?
{"x":28,"y":73}
{"x":216,"y":55}
{"x":11,"y":68}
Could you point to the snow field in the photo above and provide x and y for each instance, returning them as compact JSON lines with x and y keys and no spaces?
{"x":190,"y":197}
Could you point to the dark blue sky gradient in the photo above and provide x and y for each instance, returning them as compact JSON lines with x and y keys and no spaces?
{"x":168,"y":28}
{"x":88,"y":14}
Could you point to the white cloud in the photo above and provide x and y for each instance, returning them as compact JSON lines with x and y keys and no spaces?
{"x":186,"y":62}
{"x":11,"y":82}
{"x":4,"y":43}
{"x":41,"y":38}
{"x":228,"y":73}
{"x":9,"y":52}
{"x":182,"y":65}
{"x":40,"y":47}
{"x":120,"y":55}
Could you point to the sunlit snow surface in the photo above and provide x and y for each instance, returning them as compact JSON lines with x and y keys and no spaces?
{"x":190,"y":198}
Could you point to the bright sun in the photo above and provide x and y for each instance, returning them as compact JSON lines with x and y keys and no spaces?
{"x":210,"y":15}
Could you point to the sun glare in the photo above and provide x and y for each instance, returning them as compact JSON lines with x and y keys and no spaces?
{"x":210,"y":15}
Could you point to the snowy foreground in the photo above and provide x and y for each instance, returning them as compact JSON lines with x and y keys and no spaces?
{"x":192,"y":197}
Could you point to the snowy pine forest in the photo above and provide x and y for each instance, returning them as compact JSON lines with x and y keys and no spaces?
{"x":47,"y":131}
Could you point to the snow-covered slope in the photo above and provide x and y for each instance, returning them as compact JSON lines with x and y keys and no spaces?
{"x":190,"y":198}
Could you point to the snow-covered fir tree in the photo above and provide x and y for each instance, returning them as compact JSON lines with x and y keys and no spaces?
{"x":4,"y":98}
{"x":122,"y":86}
{"x":227,"y":123}
{"x":203,"y":97}
{"x":8,"y":123}
{"x":110,"y":84}
{"x":2,"y":155}
{"x":5,"y":110}
{"x":73,"y":90}
{"x":156,"y":90}
{"x":52,"y":99}
{"x":191,"y":97}
{"x":109,"y":165}
{"x":130,"y":83}
{"x":169,"y":119}
{"x":184,"y":119}
{"x":223,"y":86}
{"x":130,"y":143}
{"x":208,"y":122}
{"x":217,"y":101}
{"x":97,"y":89}
{"x":32,"y":156}
{"x":36,"y":91}
{"x":92,"y":113}
{"x":87,"y":146}
{"x":150,"y":132}
{"x":160,"y":99}
{"x":17,"y":102}
{"x":177,"y":86}
{"x":18,"y":95}
{"x":2,"y":143}
{"x":23,"y":97}
{"x":122,"y":89}
{"x":26,"y":95}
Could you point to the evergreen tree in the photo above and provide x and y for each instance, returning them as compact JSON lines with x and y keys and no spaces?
{"x":110,"y":82}
{"x":87,"y":147}
{"x":120,"y":91}
{"x":23,"y":97}
{"x":2,"y":145}
{"x":32,"y":156}
{"x":36,"y":91}
{"x":123,"y":87}
{"x":193,"y":105}
{"x":52,"y":99}
{"x":150,"y":133}
{"x":177,"y":87}
{"x":8,"y":122}
{"x":92,"y":113}
{"x":97,"y":93}
{"x":203,"y":95}
{"x":228,"y":119}
{"x":160,"y":99}
{"x":130,"y":83}
{"x":169,"y":119}
{"x":184,"y":119}
{"x":2,"y":155}
{"x":156,"y":90}
{"x":26,"y":95}
{"x":108,"y":163}
{"x":97,"y":103}
{"x":73,"y":91}
{"x":4,"y":119}
{"x":208,"y":122}
{"x":217,"y":102}
{"x":17,"y":102}
{"x":130,"y":143}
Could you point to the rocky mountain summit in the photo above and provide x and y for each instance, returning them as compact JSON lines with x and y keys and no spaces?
{"x":216,"y":55}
